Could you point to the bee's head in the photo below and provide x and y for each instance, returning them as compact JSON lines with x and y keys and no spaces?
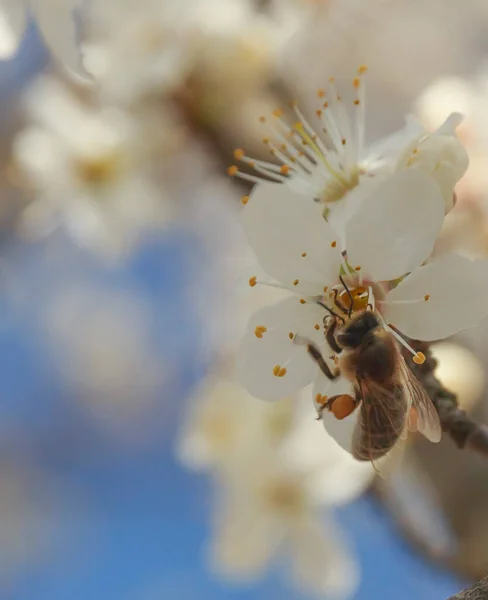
{"x":354,"y":332}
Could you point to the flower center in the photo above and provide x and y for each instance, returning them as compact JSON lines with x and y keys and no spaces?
{"x":284,"y":496}
{"x":98,"y":171}
{"x":320,"y":161}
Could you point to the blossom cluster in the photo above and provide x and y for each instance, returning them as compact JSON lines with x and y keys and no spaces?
{"x":276,"y":478}
{"x":336,"y":225}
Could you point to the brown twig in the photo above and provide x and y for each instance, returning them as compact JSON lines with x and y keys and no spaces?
{"x":479,"y":591}
{"x":465,"y":432}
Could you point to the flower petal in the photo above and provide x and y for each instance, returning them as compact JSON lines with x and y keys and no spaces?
{"x":245,"y":538}
{"x":321,"y":561}
{"x":387,"y":150}
{"x":340,"y":430}
{"x":13,"y":17}
{"x":56,"y":22}
{"x":441,"y":156}
{"x":394,"y":230}
{"x":456,"y":288}
{"x":259,"y":354}
{"x":291,"y":239}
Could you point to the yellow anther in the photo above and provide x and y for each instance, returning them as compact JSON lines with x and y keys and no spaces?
{"x":356,"y":82}
{"x":277,"y":113}
{"x":325,"y":289}
{"x":339,"y":98}
{"x":427,"y":297}
{"x":232,"y":171}
{"x":253,"y":281}
{"x":279,"y":371}
{"x":302,"y":301}
{"x":357,"y":102}
{"x":262,"y":119}
{"x":291,"y":335}
{"x":333,"y":245}
{"x":317,"y":327}
{"x":320,"y":399}
{"x":296,"y":282}
{"x":331,"y":79}
{"x":239,"y":154}
{"x":260,"y":331}
{"x":326,"y":105}
{"x":284,"y":170}
{"x":319,"y":113}
{"x":362,"y":69}
{"x":419,"y":358}
{"x":265,"y":140}
{"x":321,"y":93}
{"x":284,"y":147}
{"x":304,"y":254}
{"x":415,"y":150}
{"x":244,"y":200}
{"x":357,"y":268}
{"x":343,"y":141}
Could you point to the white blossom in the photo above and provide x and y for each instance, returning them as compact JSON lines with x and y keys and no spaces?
{"x":276,"y":476}
{"x":387,"y":241}
{"x":56,"y":23}
{"x":136,"y":49}
{"x":90,"y":168}
{"x":330,"y":164}
{"x":265,"y":511}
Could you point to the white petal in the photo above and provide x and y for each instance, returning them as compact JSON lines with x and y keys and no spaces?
{"x":245,"y":541}
{"x":394,"y":230}
{"x":257,"y":357}
{"x":13,"y":17}
{"x":56,"y":22}
{"x":458,"y":290}
{"x":340,"y":430}
{"x":320,"y":560}
{"x":281,"y":226}
{"x":388,"y":149}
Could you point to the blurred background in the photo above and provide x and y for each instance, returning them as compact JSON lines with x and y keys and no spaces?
{"x":131,"y":466}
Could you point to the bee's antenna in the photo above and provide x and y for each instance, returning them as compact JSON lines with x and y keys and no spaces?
{"x":351,"y":307}
{"x":334,"y":314}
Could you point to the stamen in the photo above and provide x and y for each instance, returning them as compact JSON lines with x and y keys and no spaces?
{"x":317,"y":327}
{"x":320,"y":399}
{"x":419,"y":358}
{"x":244,"y":200}
{"x":291,"y":335}
{"x":260,"y":331}
{"x":398,"y":337}
{"x":296,"y":282}
{"x":279,"y":371}
{"x":253,"y":281}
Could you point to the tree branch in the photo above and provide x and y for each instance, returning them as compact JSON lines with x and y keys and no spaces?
{"x":465,"y":432}
{"x":479,"y":591}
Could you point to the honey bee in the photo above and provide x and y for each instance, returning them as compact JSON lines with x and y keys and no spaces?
{"x":387,"y":394}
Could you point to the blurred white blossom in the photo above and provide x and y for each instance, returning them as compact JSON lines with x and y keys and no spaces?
{"x":90,"y":167}
{"x":57,"y":25}
{"x":276,"y":473}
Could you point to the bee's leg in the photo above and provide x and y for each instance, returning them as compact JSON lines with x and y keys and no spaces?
{"x":330,"y":337}
{"x":340,"y":305}
{"x":317,"y":357}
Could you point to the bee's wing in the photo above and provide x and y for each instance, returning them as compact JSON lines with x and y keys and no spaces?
{"x":381,"y":424}
{"x":423,"y":415}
